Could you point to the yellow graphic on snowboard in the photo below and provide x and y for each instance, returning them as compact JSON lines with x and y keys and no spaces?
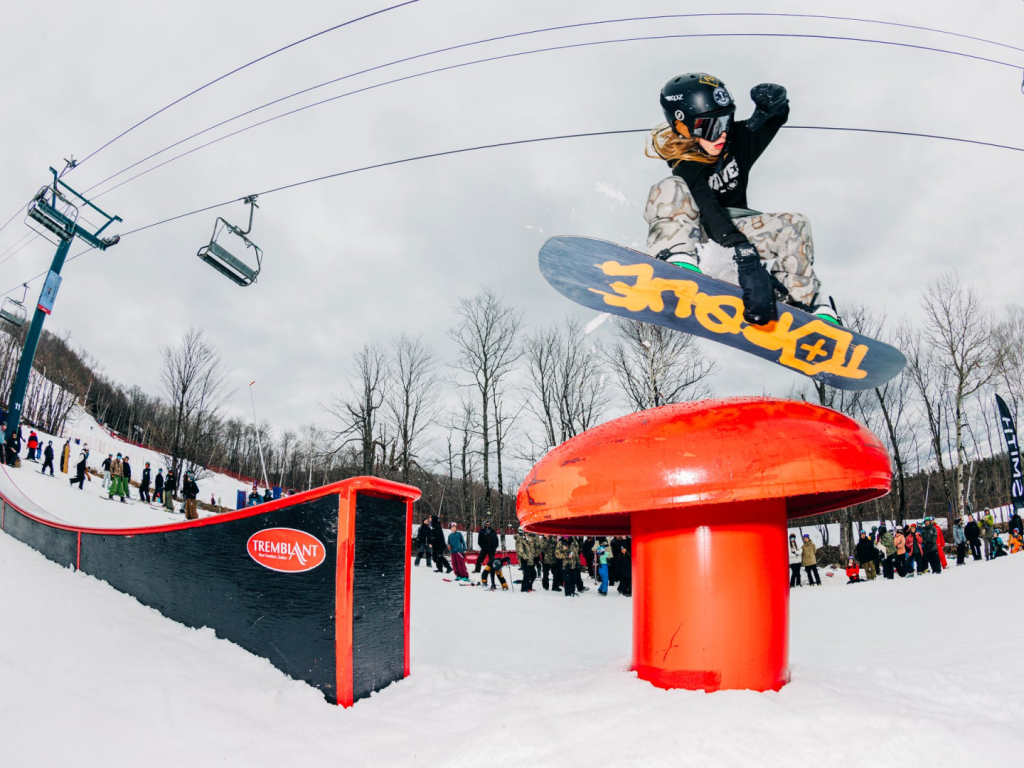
{"x":813,"y":348}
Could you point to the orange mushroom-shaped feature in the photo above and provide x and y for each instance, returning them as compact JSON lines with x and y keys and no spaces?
{"x":705,"y":490}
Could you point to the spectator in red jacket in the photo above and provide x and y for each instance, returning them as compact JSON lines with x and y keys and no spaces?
{"x":852,"y":571}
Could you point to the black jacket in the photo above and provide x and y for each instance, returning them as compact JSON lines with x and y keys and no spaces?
{"x":159,"y":482}
{"x":437,"y":540}
{"x":488,"y":540}
{"x":144,"y":482}
{"x":1015,"y":522}
{"x":972,"y":531}
{"x":80,"y":467}
{"x":105,"y":466}
{"x":48,"y":453}
{"x":190,"y":490}
{"x":723,"y":184}
{"x":865,"y":551}
{"x":126,"y":470}
{"x":423,"y":535}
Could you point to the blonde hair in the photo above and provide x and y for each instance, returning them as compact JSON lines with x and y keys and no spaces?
{"x":666,"y":144}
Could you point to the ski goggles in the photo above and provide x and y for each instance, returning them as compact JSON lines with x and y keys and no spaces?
{"x":710,"y":128}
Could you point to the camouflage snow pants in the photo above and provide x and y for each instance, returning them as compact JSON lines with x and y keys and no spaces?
{"x":674,"y":221}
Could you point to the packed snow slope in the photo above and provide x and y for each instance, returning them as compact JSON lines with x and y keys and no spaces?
{"x":917,"y":672}
{"x":90,"y":507}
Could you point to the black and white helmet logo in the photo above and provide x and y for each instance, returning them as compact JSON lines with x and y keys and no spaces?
{"x":722,"y":96}
{"x":680,"y":115}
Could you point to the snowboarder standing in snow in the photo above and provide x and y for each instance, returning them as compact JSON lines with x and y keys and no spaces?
{"x":116,"y":480}
{"x":48,"y":457}
{"x":170,"y":486}
{"x":488,"y":541}
{"x":190,"y":490}
{"x":569,"y":556}
{"x":457,"y":545}
{"x":526,"y":551}
{"x":80,"y":472}
{"x":105,"y":466}
{"x":158,"y":487}
{"x":423,"y":542}
{"x":900,"y":542}
{"x":438,"y":545}
{"x":960,"y":540}
{"x":33,"y":445}
{"x":710,"y":155}
{"x":144,"y":484}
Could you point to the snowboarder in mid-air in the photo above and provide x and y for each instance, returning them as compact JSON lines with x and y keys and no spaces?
{"x":710,"y":155}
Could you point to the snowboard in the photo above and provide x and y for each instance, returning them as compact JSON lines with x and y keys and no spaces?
{"x":610,"y":278}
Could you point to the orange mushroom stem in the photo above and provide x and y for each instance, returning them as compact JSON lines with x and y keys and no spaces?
{"x":706,"y":490}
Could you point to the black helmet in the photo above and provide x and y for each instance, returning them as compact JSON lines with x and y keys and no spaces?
{"x":697,"y":105}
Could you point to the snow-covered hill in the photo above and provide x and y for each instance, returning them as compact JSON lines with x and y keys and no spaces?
{"x":90,"y":507}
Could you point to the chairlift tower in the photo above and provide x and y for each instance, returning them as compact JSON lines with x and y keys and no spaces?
{"x":54,"y":214}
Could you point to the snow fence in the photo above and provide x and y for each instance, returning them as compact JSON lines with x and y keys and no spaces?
{"x":316,"y":583}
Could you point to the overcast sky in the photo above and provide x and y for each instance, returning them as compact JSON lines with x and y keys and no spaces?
{"x":363,"y":257}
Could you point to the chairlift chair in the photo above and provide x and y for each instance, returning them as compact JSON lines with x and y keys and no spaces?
{"x":221,"y":259}
{"x":13,"y":311}
{"x":48,"y":220}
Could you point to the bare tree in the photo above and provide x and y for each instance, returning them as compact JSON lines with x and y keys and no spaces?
{"x":194,"y":382}
{"x":566,"y":389}
{"x":412,"y":402}
{"x":960,"y":332}
{"x":359,"y":410}
{"x":656,"y":366}
{"x":1009,"y":368}
{"x":486,"y":333}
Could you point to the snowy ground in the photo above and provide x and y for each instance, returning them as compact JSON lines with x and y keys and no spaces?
{"x":920,"y":672}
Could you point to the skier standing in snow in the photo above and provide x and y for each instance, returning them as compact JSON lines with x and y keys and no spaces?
{"x":144,"y":484}
{"x":48,"y":457}
{"x":795,"y":560}
{"x":710,"y":155}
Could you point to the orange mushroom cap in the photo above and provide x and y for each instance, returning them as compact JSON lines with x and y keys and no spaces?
{"x":693,"y":455}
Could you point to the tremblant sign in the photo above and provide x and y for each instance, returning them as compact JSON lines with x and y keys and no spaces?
{"x":1010,"y":433}
{"x":286,"y":549}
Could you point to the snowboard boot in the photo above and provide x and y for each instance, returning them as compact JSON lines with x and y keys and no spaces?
{"x":690,"y":261}
{"x":826,"y":313}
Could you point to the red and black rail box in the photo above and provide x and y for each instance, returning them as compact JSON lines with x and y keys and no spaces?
{"x":317,"y":583}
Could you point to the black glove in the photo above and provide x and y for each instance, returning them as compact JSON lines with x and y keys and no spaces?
{"x":770,"y":99}
{"x":758,"y":293}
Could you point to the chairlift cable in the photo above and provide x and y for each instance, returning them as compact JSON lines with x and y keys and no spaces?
{"x":562,"y":27}
{"x":239,"y":69}
{"x":543,"y":50}
{"x":535,"y":140}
